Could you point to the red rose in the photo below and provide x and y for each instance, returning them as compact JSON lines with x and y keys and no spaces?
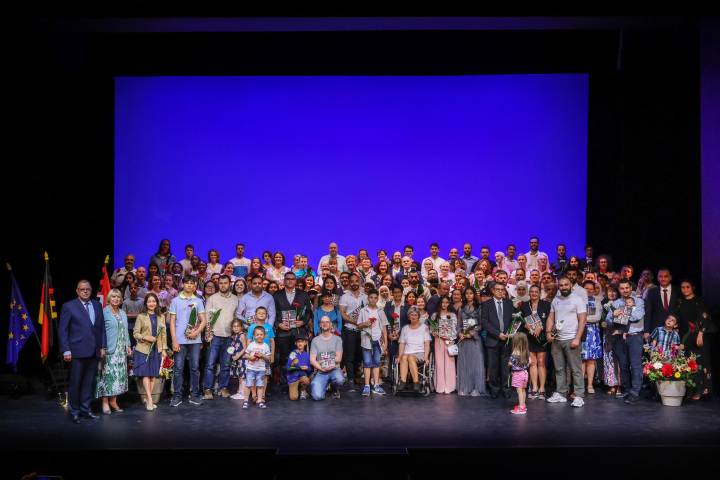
{"x":667,"y":370}
{"x":296,"y":304}
{"x":395,"y":315}
{"x":692,"y":327}
{"x":165,"y":266}
{"x":336,"y":333}
{"x":693,"y":365}
{"x":373,"y":320}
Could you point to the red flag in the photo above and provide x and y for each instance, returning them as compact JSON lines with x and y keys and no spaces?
{"x":47,"y":312}
{"x":104,"y":284}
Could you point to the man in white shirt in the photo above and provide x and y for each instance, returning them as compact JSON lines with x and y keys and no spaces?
{"x":564,"y":328}
{"x":241,"y":265}
{"x":185,"y":262}
{"x":119,"y":275}
{"x":333,"y":249}
{"x":226,"y":303}
{"x":350,"y":304}
{"x":436,"y":261}
{"x":532,"y":255}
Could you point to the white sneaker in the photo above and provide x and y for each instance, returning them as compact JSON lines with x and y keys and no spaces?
{"x":238,"y":396}
{"x":557,"y":398}
{"x":578,"y":402}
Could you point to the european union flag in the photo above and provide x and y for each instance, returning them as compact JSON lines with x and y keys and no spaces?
{"x":21,"y":326}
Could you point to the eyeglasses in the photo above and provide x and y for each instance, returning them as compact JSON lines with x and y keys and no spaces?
{"x":85,"y":289}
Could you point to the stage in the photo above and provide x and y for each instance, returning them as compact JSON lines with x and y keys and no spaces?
{"x":398,"y":433}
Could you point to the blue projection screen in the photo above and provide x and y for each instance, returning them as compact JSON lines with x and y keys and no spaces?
{"x":295,"y":163}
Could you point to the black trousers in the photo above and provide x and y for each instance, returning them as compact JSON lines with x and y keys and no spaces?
{"x":82,"y":374}
{"x":498,"y":358}
{"x":285,"y":346}
{"x":352,"y":352}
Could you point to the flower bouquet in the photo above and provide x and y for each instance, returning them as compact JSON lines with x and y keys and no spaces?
{"x":470,"y":325}
{"x":515,"y":325}
{"x":193,"y":324}
{"x":556,"y":329}
{"x":166,"y":368}
{"x":392,"y":320}
{"x":214,"y":315}
{"x":671,"y":370}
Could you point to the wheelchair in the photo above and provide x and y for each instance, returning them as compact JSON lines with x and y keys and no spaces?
{"x":426,"y":377}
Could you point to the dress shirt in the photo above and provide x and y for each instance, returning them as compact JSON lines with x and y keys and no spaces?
{"x":341,"y":265}
{"x":469,"y":262}
{"x":228,"y":303}
{"x":436,"y":262}
{"x":636,"y":324}
{"x":249,"y":303}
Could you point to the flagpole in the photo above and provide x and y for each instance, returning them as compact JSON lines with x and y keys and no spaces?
{"x":40,"y":344}
{"x":60,"y":356}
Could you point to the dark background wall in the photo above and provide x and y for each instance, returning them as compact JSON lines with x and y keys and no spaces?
{"x":643,"y":144}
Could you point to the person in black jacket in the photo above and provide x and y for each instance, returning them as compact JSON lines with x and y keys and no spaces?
{"x":396,"y":311}
{"x":496,"y":318}
{"x":293,"y":312}
{"x":538,"y":372}
{"x":661,"y":301}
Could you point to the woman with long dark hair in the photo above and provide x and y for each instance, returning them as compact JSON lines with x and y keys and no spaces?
{"x":471,"y":359}
{"x":164,"y":257}
{"x":696,"y":321}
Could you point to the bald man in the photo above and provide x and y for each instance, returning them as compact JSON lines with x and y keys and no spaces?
{"x":333,"y":249}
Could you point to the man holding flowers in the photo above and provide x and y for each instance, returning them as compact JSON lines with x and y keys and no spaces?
{"x":224,"y":305}
{"x":629,"y":348}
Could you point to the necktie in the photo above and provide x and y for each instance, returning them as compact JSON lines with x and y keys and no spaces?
{"x":500,"y":316}
{"x":87,"y":309}
{"x":665,"y":300}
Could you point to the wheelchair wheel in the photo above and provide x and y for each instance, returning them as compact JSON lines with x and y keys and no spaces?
{"x":431,"y":373}
{"x":395,"y":374}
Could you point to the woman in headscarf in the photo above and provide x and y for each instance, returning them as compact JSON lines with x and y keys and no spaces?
{"x":522,"y":294}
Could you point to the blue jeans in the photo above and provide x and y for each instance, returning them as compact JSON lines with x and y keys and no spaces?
{"x":629,"y":354}
{"x":192,"y":352}
{"x":320,"y":382}
{"x":218,"y":345}
{"x":371,"y":358}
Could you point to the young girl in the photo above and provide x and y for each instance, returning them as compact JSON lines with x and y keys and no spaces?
{"x":237,"y":368}
{"x":257,"y":354}
{"x":519,"y":363}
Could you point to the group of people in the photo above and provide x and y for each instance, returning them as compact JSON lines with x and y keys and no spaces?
{"x":487,"y":323}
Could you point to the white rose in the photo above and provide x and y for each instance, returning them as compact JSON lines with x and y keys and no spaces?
{"x":657,"y":365}
{"x":231,"y":350}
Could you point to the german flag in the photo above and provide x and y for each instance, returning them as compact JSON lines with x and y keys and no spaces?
{"x":47,"y":312}
{"x":104,"y":284}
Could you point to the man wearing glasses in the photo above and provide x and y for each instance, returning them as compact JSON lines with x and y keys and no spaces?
{"x":496,"y":319}
{"x":83,"y":342}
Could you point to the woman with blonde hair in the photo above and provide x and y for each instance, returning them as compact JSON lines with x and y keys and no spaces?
{"x":113,"y":377}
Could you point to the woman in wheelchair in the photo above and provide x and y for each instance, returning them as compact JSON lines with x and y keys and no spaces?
{"x":414,"y":344}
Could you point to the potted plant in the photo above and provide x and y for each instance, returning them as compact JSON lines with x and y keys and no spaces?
{"x":671,"y":370}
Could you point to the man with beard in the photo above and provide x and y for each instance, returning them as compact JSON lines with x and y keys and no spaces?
{"x":255,"y":298}
{"x":350,"y":304}
{"x":484,"y":255}
{"x":333,"y":249}
{"x":469,"y":258}
{"x":572,"y":274}
{"x":292,"y":314}
{"x":226,"y":303}
{"x":532,"y":255}
{"x":564,"y":328}
{"x":415,"y":285}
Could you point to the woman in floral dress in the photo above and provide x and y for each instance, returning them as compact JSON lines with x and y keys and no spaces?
{"x":113,"y":377}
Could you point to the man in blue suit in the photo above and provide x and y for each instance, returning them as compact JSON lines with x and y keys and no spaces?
{"x":83,"y":343}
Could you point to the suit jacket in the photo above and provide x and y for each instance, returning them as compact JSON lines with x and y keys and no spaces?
{"x":655,"y":313}
{"x":281,"y":304}
{"x":583,"y":264}
{"x":390,"y":309}
{"x":77,"y":334}
{"x":490,"y":322}
{"x":543,"y":312}
{"x":143,"y":328}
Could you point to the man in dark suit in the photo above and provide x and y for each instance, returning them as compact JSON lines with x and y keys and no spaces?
{"x":661,"y":301}
{"x":443,"y":289}
{"x":496,"y":318}
{"x":290,"y":303}
{"x":83,"y":343}
{"x":587,"y":264}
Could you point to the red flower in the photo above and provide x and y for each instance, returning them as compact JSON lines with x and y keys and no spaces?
{"x":693,"y":365}
{"x":296,"y":304}
{"x":519,"y":304}
{"x":336,"y":333}
{"x":165,"y":266}
{"x":373,"y":320}
{"x":395,"y":315}
{"x":667,"y":370}
{"x":692,"y":327}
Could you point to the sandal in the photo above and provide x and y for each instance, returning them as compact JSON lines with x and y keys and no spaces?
{"x":590,"y":389}
{"x":261,"y":405}
{"x":541,"y":395}
{"x":611,"y":391}
{"x":246,"y":405}
{"x":619,"y":393}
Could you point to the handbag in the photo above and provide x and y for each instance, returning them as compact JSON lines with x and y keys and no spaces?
{"x":452,"y":350}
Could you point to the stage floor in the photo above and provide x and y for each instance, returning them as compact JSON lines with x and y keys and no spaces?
{"x":353,"y":424}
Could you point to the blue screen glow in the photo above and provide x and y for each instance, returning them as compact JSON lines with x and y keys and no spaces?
{"x":294,"y":163}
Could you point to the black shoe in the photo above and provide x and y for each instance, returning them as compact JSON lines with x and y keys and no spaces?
{"x":623,"y":395}
{"x":285,"y":390}
{"x":506,"y":395}
{"x":632,"y":399}
{"x":493,"y":395}
{"x":401,"y":386}
{"x":92,"y":415}
{"x":75,"y":419}
{"x":417,"y":387}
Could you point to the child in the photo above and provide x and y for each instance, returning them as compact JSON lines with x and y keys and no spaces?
{"x":260,"y":317}
{"x":630,"y":303}
{"x":237,"y":369}
{"x":298,"y":380}
{"x":665,"y":337}
{"x":373,"y":322}
{"x":257,"y":354}
{"x":519,"y":363}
